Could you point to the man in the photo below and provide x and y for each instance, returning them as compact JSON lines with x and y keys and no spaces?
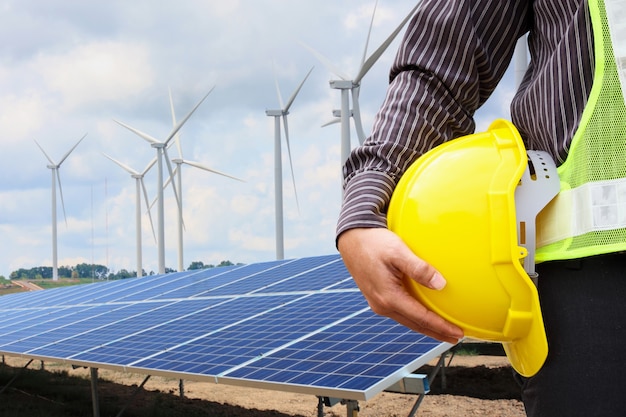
{"x":452,"y":57}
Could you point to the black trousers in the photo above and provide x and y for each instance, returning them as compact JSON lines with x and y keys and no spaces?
{"x":583,"y":304}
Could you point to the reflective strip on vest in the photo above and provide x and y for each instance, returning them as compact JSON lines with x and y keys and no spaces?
{"x":599,"y":206}
{"x":588,"y":217}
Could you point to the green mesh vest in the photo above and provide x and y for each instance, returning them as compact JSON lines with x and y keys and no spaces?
{"x":589,"y":215}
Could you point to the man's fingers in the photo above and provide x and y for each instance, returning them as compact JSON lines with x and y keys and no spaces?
{"x":420,"y":271}
{"x":450,"y":337}
{"x":416,"y":316}
{"x":378,"y":260}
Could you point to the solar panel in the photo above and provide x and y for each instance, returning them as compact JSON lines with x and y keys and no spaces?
{"x":298,"y":325}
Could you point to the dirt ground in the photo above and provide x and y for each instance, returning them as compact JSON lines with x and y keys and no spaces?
{"x":474,"y":386}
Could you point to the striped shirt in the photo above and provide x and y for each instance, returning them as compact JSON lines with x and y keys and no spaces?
{"x":452,"y":56}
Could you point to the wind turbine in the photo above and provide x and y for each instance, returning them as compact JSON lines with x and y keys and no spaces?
{"x":352,"y":86}
{"x":138,"y":176}
{"x":178,"y":172}
{"x":278,"y":169}
{"x":161,"y":148}
{"x":56,"y":177}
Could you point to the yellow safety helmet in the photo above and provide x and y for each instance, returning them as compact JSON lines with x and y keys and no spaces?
{"x":468,"y":207}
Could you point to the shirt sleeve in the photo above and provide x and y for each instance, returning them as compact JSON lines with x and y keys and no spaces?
{"x":450,"y":60}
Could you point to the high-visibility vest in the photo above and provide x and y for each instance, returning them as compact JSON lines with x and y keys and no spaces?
{"x":588,"y":217}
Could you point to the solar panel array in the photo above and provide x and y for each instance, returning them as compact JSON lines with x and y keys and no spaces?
{"x":297,"y":325}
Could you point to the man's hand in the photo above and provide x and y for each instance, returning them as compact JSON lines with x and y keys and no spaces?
{"x":378,"y":259}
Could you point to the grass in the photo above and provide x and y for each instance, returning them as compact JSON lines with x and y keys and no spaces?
{"x":38,"y":393}
{"x":61,"y":282}
{"x":54,"y":392}
{"x":26,"y":394}
{"x":9,"y":288}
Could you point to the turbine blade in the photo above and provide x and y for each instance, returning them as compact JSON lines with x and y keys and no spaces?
{"x":150,"y":165}
{"x":165,"y":184}
{"x":356,"y":115}
{"x":332,"y":122}
{"x":169,"y":179}
{"x":326,"y":62}
{"x":172,"y":182}
{"x":280,"y":96}
{"x":293,"y":178}
{"x":177,"y":171}
{"x":369,"y":33}
{"x":206,"y":168}
{"x":177,"y":136}
{"x":295,"y":93}
{"x":139,"y":133}
{"x":70,"y":151}
{"x":61,"y":194}
{"x":182,"y":122}
{"x":374,"y":57}
{"x":121,"y":164}
{"x":45,"y":154}
{"x":148,"y":206}
{"x":153,"y":203}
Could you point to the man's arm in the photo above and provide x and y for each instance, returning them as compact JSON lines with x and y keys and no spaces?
{"x":451,"y":58}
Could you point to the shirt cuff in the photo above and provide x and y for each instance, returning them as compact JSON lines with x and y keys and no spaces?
{"x":365,"y":201}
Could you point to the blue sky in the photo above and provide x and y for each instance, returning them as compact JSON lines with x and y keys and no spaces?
{"x":69,"y":68}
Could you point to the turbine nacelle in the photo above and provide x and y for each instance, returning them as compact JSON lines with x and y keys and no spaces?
{"x":343,"y":84}
{"x":276,"y":113}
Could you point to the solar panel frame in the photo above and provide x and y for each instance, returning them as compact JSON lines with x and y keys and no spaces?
{"x":297,"y":325}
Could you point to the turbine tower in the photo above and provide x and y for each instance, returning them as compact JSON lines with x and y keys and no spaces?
{"x":139,"y":185}
{"x":56,"y":177}
{"x":178,"y":172}
{"x":352,"y":86}
{"x":277,"y":114}
{"x":161,"y":150}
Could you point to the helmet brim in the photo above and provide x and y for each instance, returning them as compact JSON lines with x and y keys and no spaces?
{"x":528,"y":354}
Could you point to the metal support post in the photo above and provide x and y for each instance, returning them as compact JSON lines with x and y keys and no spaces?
{"x":417,"y":404}
{"x":441,"y":364}
{"x":95,"y":400}
{"x":320,"y":407}
{"x":352,"y":407}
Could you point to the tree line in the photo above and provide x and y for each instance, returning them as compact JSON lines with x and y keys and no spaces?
{"x":95,"y":271}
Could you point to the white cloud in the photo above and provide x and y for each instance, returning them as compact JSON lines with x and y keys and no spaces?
{"x":74,"y":67}
{"x":96,"y":71}
{"x":22,"y":116}
{"x":249,"y":240}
